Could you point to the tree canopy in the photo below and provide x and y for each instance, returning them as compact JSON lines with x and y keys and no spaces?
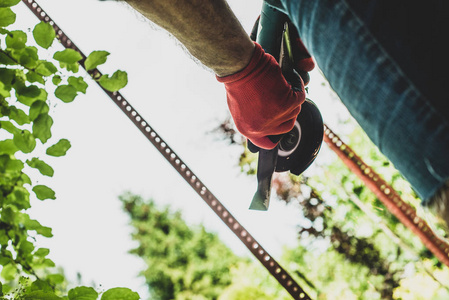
{"x":187,"y":262}
{"x":183,"y":262}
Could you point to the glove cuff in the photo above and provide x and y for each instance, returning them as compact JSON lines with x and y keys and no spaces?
{"x":258,"y":55}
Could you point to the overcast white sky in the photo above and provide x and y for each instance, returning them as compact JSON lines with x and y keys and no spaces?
{"x":182,"y":102}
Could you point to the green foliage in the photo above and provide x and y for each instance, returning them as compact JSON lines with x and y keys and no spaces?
{"x":66,"y":92}
{"x":68,"y":56}
{"x":43,"y":290}
{"x":332,"y":276}
{"x":8,"y":3}
{"x":78,"y":83}
{"x":44,"y":35}
{"x":186,"y":262}
{"x":183,"y":262}
{"x":82,"y":293}
{"x":7,"y":16}
{"x":250,"y":281}
{"x":60,"y":148}
{"x":95,"y":59}
{"x":120,"y":293}
{"x":117,"y":81}
{"x":43,"y":167}
{"x":16,"y":39}
{"x":44,"y":192}
{"x":27,"y":84}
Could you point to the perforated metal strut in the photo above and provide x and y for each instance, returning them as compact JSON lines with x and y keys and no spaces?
{"x":259,"y":252}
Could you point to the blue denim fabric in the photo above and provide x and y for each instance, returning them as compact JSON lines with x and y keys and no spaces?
{"x":388,"y":62}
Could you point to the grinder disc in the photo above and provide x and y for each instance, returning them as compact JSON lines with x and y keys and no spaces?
{"x":299,"y":147}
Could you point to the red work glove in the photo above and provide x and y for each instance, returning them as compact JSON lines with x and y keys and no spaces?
{"x":262,"y":103}
{"x":303,"y":59}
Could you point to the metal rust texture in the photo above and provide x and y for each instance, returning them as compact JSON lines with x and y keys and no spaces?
{"x":388,"y":196}
{"x":259,"y":252}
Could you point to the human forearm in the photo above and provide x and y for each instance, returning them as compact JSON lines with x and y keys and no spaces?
{"x":207,"y":28}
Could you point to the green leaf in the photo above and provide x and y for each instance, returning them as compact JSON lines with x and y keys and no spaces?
{"x":7,"y":3}
{"x":19,"y":79}
{"x":95,"y":59}
{"x":18,"y":115}
{"x":4,"y":239}
{"x":15,"y":165}
{"x":70,"y":67}
{"x":78,"y":83}
{"x":66,"y":93}
{"x":42,"y":252}
{"x":44,"y":192}
{"x":117,"y":81}
{"x":44,"y":34}
{"x":39,"y":295}
{"x":30,"y":91}
{"x":40,"y":285}
{"x":31,"y":224}
{"x":8,"y":215}
{"x":46,"y":68}
{"x":25,"y":141}
{"x":4,"y":91}
{"x":83,"y":293}
{"x":6,"y":60}
{"x":8,"y":147}
{"x":16,"y":39}
{"x":11,"y":164}
{"x":56,"y":79}
{"x":42,"y":127}
{"x":55,"y":279}
{"x":35,"y":77}
{"x":24,"y":179}
{"x":27,"y":56}
{"x":8,"y":126}
{"x":59,"y":149}
{"x":6,"y":288}
{"x":4,"y":161}
{"x":43,"y":167}
{"x":48,"y":262}
{"x":25,"y":248}
{"x":38,"y":107}
{"x":68,"y":56}
{"x":120,"y":293}
{"x":20,"y":198}
{"x":7,"y":16}
{"x":45,"y":231}
{"x":30,"y":100}
{"x":6,"y":77}
{"x":9,"y":272}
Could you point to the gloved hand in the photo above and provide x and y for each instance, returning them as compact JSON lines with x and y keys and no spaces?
{"x":262,"y":103}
